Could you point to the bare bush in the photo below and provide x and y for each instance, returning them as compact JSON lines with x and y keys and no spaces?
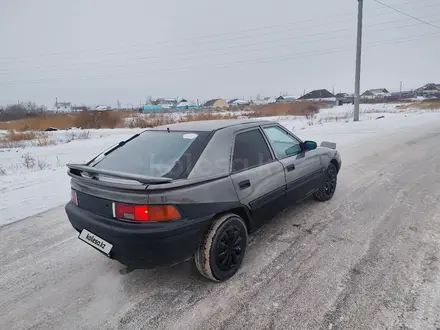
{"x":42,"y":164}
{"x":20,"y":111}
{"x":2,"y":170}
{"x":77,"y":135}
{"x":311,"y":118}
{"x":28,"y":161}
{"x":44,"y":140}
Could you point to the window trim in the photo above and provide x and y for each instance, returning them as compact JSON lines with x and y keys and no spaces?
{"x":288,"y":133}
{"x":248,"y":129}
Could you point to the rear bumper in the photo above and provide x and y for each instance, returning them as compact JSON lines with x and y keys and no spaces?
{"x":142,"y":245}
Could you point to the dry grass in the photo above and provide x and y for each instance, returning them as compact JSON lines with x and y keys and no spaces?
{"x":11,"y":144}
{"x":99,"y":119}
{"x":424,"y":105}
{"x":85,"y":119}
{"x":151,"y":121}
{"x":44,"y":140}
{"x":115,"y":119}
{"x":13,"y":136}
{"x":207,"y":116}
{"x":18,"y":139}
{"x":81,"y":135}
{"x":161,"y":119}
{"x":286,"y":109}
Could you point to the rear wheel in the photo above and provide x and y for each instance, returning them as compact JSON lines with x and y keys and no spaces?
{"x":328,"y":188}
{"x":222,"y":251}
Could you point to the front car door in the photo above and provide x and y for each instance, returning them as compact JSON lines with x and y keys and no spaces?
{"x":258,"y":177}
{"x":303,"y":169}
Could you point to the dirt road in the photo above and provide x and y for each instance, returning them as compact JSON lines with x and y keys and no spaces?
{"x":368,"y":259}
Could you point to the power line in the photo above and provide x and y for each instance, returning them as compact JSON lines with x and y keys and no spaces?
{"x":211,"y":36}
{"x":411,"y":16}
{"x":220,"y":51}
{"x":242,"y":62}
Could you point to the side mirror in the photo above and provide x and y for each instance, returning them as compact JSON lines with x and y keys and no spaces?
{"x":309,"y":145}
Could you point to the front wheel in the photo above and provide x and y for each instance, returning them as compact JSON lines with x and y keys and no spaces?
{"x":328,"y":187}
{"x":221,"y":253}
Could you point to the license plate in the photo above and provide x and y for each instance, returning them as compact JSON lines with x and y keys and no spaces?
{"x":95,"y":241}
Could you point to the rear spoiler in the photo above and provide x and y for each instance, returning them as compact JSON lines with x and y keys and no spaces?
{"x":77,"y":169}
{"x":327,"y":144}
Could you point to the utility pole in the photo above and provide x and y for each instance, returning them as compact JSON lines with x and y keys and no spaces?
{"x":358,"y":61}
{"x":401,"y":89}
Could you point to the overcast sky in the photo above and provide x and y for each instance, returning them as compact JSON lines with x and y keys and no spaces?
{"x":101,"y":51}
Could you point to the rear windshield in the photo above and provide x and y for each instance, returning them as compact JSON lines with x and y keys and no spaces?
{"x":156,"y":153}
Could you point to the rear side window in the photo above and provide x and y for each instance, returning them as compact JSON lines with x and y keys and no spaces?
{"x":250,"y":149}
{"x":156,"y":153}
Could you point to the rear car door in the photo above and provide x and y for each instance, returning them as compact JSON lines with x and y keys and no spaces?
{"x":303,"y":169}
{"x":258,"y":177}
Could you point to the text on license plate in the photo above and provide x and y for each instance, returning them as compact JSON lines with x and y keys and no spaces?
{"x":95,"y":241}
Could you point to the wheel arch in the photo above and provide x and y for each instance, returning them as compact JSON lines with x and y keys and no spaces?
{"x":243,"y":212}
{"x":335,"y":163}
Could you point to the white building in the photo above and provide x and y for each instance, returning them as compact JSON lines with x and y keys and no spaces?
{"x":102,"y":108}
{"x":266,"y":100}
{"x":166,"y":103}
{"x":378,"y":93}
{"x":63,"y":107}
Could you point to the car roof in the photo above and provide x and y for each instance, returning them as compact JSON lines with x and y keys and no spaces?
{"x":211,"y":125}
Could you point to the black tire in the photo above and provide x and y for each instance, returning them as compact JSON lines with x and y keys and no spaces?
{"x":220,"y":254}
{"x":328,"y":187}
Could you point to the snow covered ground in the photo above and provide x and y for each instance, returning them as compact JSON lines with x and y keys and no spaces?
{"x":33,"y":179}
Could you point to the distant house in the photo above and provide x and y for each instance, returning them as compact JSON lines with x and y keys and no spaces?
{"x":166,"y":103}
{"x":265,"y":100}
{"x":80,"y":108}
{"x":285,"y":98}
{"x":216,"y":103}
{"x":378,"y":93}
{"x":318,"y":95}
{"x":401,"y":95}
{"x":344,"y":98}
{"x":63,"y":107}
{"x":185,"y":105}
{"x":102,"y":108}
{"x":428,"y":89}
{"x":238,"y":102}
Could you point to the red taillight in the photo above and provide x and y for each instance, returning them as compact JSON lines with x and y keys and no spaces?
{"x":144,"y":213}
{"x":74,"y":197}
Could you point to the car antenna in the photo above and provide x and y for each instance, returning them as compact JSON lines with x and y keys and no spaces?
{"x":168,"y":129}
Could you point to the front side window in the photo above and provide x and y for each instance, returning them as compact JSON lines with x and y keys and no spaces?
{"x":283,"y":144}
{"x":250,"y":150}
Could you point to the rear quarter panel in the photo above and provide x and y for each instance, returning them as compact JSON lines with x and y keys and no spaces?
{"x":200,"y":200}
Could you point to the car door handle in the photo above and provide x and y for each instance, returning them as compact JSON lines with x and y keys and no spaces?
{"x":244,"y":184}
{"x":290,"y":167}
